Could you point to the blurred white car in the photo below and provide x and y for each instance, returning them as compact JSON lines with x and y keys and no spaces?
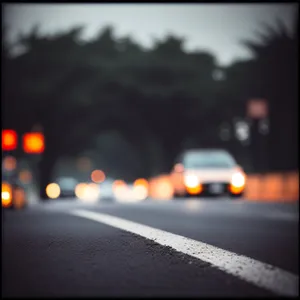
{"x":209,"y":172}
{"x":67,"y":186}
{"x":106,"y":189}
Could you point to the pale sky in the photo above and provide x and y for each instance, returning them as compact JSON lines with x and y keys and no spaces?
{"x":214,"y":27}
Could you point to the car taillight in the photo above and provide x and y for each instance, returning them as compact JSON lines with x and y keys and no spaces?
{"x":6,"y":194}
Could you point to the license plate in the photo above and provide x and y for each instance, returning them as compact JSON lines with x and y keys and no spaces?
{"x":216,"y":188}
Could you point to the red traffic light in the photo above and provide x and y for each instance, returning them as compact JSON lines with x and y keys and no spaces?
{"x":33,"y":143}
{"x":9,"y":140}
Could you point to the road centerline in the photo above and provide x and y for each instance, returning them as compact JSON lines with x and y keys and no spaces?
{"x":253,"y":271}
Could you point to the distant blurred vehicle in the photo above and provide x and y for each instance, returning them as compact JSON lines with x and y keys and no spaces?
{"x":13,"y":194}
{"x":106,"y":189}
{"x":208,"y":172}
{"x":67,"y":187}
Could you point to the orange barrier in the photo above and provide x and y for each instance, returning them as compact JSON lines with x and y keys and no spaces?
{"x":273,"y":187}
{"x":278,"y":187}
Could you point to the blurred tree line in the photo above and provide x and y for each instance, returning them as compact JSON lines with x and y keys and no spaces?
{"x":163,"y":96}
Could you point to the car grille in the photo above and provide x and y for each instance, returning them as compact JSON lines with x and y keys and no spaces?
{"x":206,"y":186}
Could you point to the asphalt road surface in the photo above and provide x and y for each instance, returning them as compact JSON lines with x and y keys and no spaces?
{"x":218,"y":248}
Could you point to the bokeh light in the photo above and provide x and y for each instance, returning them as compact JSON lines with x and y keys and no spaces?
{"x":25,"y":176}
{"x":19,"y":198}
{"x":92,"y":192}
{"x":140,"y":189}
{"x":97,"y":176}
{"x":53,"y":190}
{"x":9,"y":163}
{"x":9,"y":140}
{"x":80,"y":190}
{"x":87,"y":192}
{"x":122,"y":192}
{"x":6,"y":194}
{"x":140,"y":192}
{"x":33,"y":142}
{"x":161,"y":188}
{"x":120,"y":189}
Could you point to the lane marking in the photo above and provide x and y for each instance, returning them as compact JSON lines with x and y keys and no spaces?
{"x":253,"y":271}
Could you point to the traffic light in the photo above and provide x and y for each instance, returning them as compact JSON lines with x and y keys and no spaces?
{"x":9,"y":140}
{"x":33,"y":143}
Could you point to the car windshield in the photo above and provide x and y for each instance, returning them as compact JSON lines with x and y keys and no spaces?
{"x":208,"y":160}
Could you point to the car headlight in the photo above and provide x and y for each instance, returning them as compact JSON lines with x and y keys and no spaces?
{"x":238,"y":180}
{"x":191,"y":181}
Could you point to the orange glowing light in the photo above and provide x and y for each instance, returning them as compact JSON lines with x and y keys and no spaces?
{"x":6,"y":194}
{"x":9,"y":140}
{"x":19,"y":198}
{"x":33,"y":142}
{"x":236,"y":189}
{"x":257,"y":108}
{"x":98,"y":176}
{"x":9,"y":163}
{"x":118,"y":183}
{"x":194,"y":190}
{"x":25,"y":176}
{"x":141,"y":182}
{"x":161,"y":188}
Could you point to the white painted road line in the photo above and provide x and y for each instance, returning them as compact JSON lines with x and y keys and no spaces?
{"x":258,"y":273}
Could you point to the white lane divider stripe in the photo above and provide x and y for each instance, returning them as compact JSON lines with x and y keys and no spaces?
{"x":253,"y":271}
